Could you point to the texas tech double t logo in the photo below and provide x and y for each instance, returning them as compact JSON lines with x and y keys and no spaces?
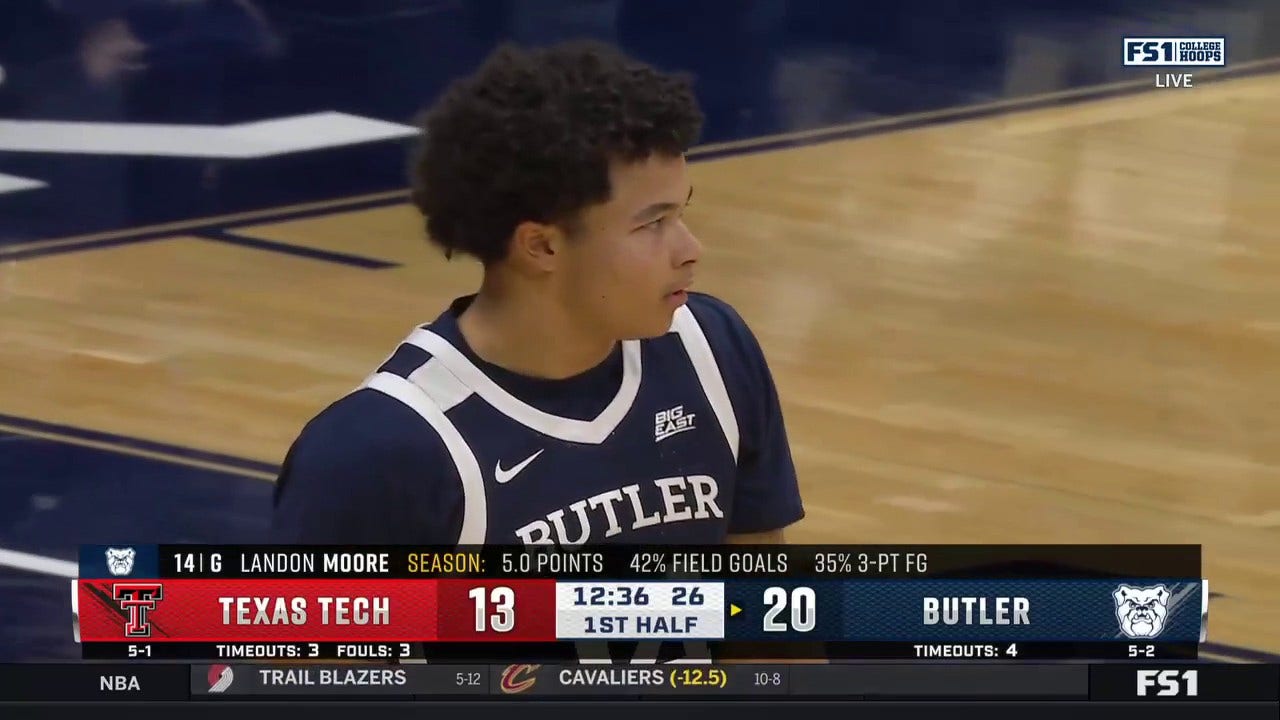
{"x":137,"y":599}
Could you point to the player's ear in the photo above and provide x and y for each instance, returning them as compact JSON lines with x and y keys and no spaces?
{"x":536,"y":245}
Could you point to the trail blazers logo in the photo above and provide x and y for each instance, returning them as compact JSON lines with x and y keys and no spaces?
{"x":1141,"y":611}
{"x":120,"y":560}
{"x":220,"y":678}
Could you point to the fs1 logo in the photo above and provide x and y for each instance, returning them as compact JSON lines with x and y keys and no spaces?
{"x":1171,"y":683}
{"x":1175,"y":52}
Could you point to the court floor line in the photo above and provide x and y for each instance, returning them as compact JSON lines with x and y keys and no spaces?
{"x":151,"y":450}
{"x":710,"y":151}
{"x":245,"y":241}
{"x":179,"y":226}
{"x":38,"y":564}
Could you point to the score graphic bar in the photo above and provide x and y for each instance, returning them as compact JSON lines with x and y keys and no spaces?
{"x":930,"y":600}
{"x":640,"y":611}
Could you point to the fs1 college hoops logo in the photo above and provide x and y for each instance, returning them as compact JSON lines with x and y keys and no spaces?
{"x":1175,"y":52}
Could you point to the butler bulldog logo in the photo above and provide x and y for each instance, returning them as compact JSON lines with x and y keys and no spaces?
{"x":120,"y":560}
{"x":1141,"y":611}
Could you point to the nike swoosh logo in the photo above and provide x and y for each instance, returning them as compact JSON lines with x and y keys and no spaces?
{"x":505,"y":476}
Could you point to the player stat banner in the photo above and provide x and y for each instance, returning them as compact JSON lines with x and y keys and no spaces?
{"x":151,"y":601}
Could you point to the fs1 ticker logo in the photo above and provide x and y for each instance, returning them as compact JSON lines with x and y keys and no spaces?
{"x":137,"y":599}
{"x":1169,"y":683}
{"x":1175,"y":52}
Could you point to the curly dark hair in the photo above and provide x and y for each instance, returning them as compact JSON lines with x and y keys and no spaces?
{"x":531,"y":135}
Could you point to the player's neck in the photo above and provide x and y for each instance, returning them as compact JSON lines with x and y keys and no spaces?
{"x":530,"y":336}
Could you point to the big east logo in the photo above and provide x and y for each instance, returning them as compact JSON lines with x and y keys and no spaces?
{"x":137,"y":599}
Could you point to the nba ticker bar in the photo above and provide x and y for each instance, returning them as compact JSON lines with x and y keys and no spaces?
{"x":1164,"y":683}
{"x":930,"y":602}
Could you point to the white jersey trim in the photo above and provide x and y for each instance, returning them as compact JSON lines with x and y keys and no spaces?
{"x":439,"y":384}
{"x":588,"y":432}
{"x":475,"y":513}
{"x":708,"y":371}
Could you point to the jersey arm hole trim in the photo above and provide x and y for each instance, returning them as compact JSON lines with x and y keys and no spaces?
{"x":708,"y":371}
{"x":475,"y":507}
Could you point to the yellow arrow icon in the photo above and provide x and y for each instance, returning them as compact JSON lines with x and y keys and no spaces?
{"x":734,"y":609}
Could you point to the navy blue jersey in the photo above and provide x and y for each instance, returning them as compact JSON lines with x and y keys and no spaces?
{"x":674,"y":439}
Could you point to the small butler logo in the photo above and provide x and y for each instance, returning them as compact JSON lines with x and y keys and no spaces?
{"x":1141,"y":611}
{"x":120,"y":560}
{"x":518,"y":678}
{"x":220,"y":678}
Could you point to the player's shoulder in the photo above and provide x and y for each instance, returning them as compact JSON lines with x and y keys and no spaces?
{"x":727,"y":332}
{"x":713,"y":311}
{"x":366,"y":470}
{"x":367,"y":427}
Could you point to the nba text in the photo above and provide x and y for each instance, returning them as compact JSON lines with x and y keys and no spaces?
{"x":977,"y":611}
{"x":683,"y":499}
{"x":294,"y":610}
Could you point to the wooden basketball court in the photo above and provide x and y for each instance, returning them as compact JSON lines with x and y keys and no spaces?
{"x":1057,"y":326}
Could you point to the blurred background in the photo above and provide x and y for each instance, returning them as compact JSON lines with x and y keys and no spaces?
{"x":1011,"y":291}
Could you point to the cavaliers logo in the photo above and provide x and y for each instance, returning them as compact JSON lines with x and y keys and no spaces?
{"x":518,"y":678}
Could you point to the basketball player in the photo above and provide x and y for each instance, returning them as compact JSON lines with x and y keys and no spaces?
{"x":584,"y":394}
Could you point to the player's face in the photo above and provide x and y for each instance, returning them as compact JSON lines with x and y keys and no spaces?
{"x":633,"y":259}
